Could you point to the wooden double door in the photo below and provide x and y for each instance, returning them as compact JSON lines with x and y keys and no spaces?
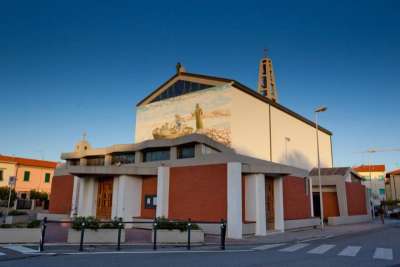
{"x":104,"y":198}
{"x":270,"y":203}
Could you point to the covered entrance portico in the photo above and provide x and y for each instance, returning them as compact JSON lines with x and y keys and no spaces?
{"x":263,"y":208}
{"x":107,"y":197}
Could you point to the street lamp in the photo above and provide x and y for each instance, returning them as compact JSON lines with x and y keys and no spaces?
{"x":321,"y":203}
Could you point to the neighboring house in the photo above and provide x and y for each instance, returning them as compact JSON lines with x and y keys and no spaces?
{"x":393,"y":185}
{"x":31,"y":174}
{"x":374,"y":180}
{"x":345,"y":198}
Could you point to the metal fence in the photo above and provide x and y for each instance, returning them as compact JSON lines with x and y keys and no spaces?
{"x":154,"y":225}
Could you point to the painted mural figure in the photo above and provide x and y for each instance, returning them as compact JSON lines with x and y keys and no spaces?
{"x":198,"y":113}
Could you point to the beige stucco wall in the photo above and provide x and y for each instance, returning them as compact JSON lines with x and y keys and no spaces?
{"x":8,"y":170}
{"x":36,"y":181}
{"x":302,"y":147}
{"x":250,"y":125}
{"x":245,"y":123}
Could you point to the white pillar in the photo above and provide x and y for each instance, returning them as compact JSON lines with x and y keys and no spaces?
{"x":115,"y":199}
{"x":234,"y":195}
{"x":255,"y":202}
{"x":87,"y":197}
{"x":81,"y":197}
{"x":278,"y":204}
{"x":75,"y":197}
{"x":261,"y":220}
{"x":311,"y":196}
{"x":162,"y":191}
{"x":128,"y":203}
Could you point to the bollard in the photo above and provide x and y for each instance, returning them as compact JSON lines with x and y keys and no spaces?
{"x":155,"y":234}
{"x":119,"y":234}
{"x":189,"y":225}
{"x":82,"y":236}
{"x":223,"y":233}
{"x":43,"y":232}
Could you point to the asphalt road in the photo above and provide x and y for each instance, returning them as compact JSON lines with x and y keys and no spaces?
{"x":377,"y":248}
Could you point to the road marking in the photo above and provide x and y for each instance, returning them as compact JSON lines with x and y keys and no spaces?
{"x":383,"y":254}
{"x":350,"y":251}
{"x":20,"y":249}
{"x":2,"y":254}
{"x":294,"y":247}
{"x":269,"y":246}
{"x":152,"y":252}
{"x":321,"y":249}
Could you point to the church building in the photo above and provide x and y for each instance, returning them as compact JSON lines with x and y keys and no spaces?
{"x":206,"y":148}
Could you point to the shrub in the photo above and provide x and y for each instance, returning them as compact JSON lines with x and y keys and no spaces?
{"x":90,"y":223}
{"x":114,"y":224}
{"x":163,"y":223}
{"x":4,"y":192}
{"x":33,"y":224}
{"x":94,"y":224}
{"x":5,"y":225}
{"x":16,"y":213}
{"x":38,"y":195}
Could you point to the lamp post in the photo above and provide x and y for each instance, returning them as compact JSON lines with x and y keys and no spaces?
{"x":321,"y":203}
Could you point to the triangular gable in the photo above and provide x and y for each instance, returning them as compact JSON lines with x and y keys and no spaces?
{"x":180,"y":84}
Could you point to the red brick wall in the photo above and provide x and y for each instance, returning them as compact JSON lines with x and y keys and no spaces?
{"x":331,"y":206}
{"x":356,"y":202}
{"x":61,"y":194}
{"x":295,"y":201}
{"x":149,"y":187}
{"x":198,"y":192}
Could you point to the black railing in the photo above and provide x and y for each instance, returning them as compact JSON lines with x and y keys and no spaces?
{"x":120,"y":226}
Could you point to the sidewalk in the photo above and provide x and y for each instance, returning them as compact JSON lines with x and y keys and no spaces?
{"x":212,"y":242}
{"x":311,"y":234}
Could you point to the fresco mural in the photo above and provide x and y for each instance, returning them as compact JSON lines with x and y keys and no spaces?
{"x":204,"y":112}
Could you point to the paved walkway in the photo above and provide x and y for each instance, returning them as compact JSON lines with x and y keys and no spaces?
{"x":311,"y":234}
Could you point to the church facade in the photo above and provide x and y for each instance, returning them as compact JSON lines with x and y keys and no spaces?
{"x":206,"y":148}
{"x":234,"y":115}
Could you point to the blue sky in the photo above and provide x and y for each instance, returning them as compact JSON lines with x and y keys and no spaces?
{"x":72,"y":66}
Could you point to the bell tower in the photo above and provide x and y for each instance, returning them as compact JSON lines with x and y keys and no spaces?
{"x":266,"y":78}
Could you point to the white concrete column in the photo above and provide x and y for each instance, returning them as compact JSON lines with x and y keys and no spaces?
{"x":128,"y":203}
{"x":162,"y":191}
{"x":255,"y":202}
{"x":261,"y":219}
{"x":81,"y":197}
{"x":87,"y":197}
{"x":115,"y":198}
{"x":311,"y":196}
{"x":342,"y":198}
{"x":75,"y":197}
{"x":234,"y":195}
{"x":278,"y":204}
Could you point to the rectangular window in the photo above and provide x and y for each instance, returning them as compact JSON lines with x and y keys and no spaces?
{"x":1,"y":175}
{"x":95,"y":161}
{"x":123,"y":158}
{"x":27,"y":175}
{"x":381,"y":191}
{"x":150,"y":201}
{"x":186,"y":151}
{"x":47,"y":178}
{"x":73,"y":162}
{"x":156,"y":154}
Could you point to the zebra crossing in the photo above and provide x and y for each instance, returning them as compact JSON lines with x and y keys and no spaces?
{"x":348,"y":251}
